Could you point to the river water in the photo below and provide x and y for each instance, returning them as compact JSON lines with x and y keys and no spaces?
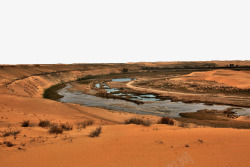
{"x":152,"y":105}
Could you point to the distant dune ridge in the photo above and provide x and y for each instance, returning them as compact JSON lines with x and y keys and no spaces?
{"x":31,"y":80}
{"x":240,"y":79}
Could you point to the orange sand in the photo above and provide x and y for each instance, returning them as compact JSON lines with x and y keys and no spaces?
{"x":133,"y":145}
{"x":240,"y":79}
{"x":118,"y":144}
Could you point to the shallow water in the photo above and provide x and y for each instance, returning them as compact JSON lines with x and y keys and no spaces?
{"x":98,"y":85}
{"x":152,"y":107}
{"x":131,"y":96}
{"x":122,"y":80}
{"x":110,"y":90}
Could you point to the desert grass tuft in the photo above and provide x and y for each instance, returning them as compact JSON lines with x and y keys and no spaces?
{"x":11,"y":131}
{"x":138,"y":121}
{"x":66,"y":126}
{"x":166,"y":120}
{"x":83,"y":124}
{"x":96,"y":132}
{"x":8,"y":144}
{"x":25,"y":123}
{"x":44,"y":123}
{"x":55,"y":129}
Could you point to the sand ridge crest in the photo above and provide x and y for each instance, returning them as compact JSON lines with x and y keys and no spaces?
{"x":238,"y":79}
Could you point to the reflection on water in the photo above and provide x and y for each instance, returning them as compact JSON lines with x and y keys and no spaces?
{"x":110,"y":90}
{"x":160,"y":108}
{"x":98,"y":85}
{"x":122,"y":80}
{"x":131,"y":96}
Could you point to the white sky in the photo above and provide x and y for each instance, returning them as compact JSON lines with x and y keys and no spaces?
{"x":91,"y":31}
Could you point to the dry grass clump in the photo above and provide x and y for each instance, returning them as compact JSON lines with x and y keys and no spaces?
{"x":147,"y":123}
{"x":55,"y":129}
{"x":96,"y":132}
{"x":138,"y":121}
{"x":25,"y":123}
{"x":166,"y":120}
{"x":83,"y":124}
{"x":8,"y":144}
{"x":66,"y":126}
{"x":11,"y":131}
{"x":44,"y":123}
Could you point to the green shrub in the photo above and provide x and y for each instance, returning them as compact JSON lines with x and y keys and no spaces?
{"x":52,"y":92}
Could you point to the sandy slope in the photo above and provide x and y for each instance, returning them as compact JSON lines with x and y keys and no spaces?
{"x":118,"y":145}
{"x":240,"y":79}
{"x":15,"y":109}
{"x":133,"y":145}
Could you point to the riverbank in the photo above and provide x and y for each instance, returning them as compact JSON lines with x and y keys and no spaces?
{"x":238,"y":101}
{"x":126,"y":145}
{"x":124,"y":89}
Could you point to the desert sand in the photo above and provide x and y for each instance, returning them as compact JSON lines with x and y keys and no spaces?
{"x":240,"y":79}
{"x":133,"y":145}
{"x":118,"y":145}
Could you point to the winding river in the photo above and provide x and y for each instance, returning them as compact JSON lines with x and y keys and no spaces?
{"x":151,"y":106}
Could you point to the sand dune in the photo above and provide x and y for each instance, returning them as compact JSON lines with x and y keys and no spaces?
{"x":133,"y":145}
{"x":21,"y":88}
{"x":240,"y":79}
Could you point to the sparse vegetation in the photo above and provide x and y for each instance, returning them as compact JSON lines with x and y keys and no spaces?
{"x":124,"y":70}
{"x":8,"y":144}
{"x":51,"y":92}
{"x":201,"y":141}
{"x":83,"y":124}
{"x":89,"y":122}
{"x":44,"y":123}
{"x":55,"y":128}
{"x":166,"y":120}
{"x":86,"y":77}
{"x":213,"y":118}
{"x":147,"y":123}
{"x":25,"y":123}
{"x":138,"y":121}
{"x":11,"y":131}
{"x":66,"y":126}
{"x":96,"y":132}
